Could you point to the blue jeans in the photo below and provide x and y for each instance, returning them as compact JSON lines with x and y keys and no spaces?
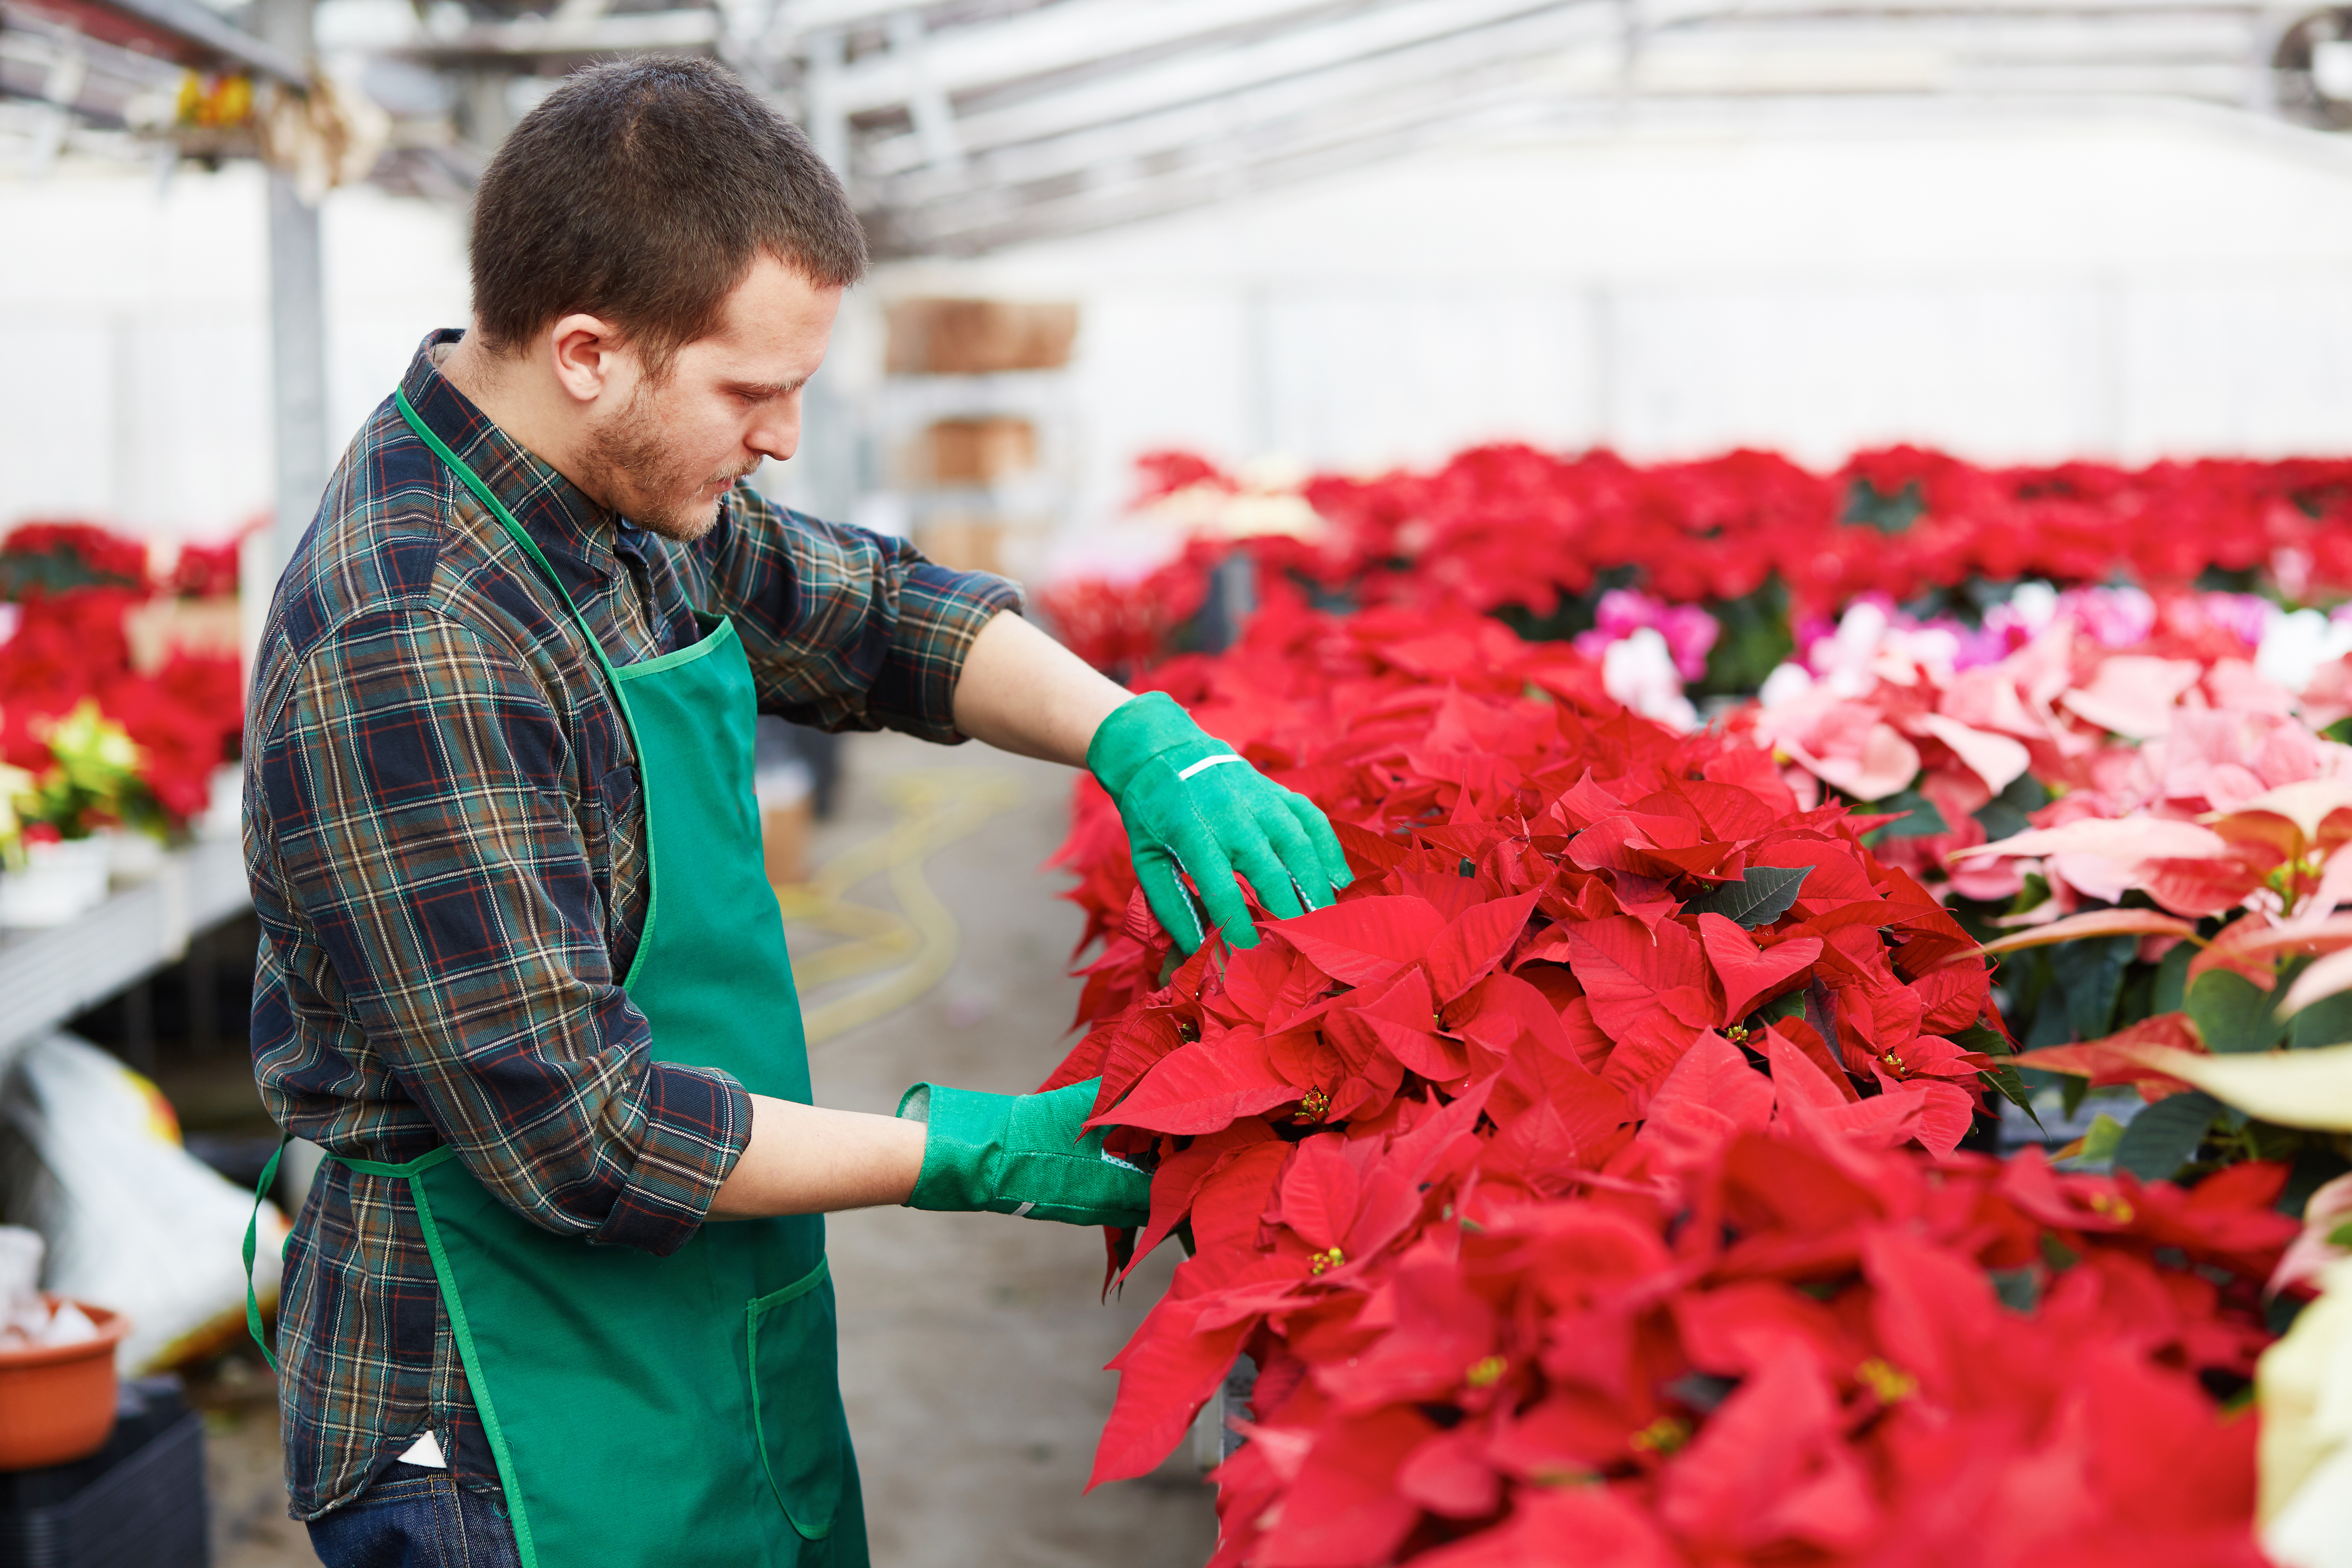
{"x":411,"y":1517}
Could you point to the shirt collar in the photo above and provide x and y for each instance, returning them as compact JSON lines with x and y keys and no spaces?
{"x":577,"y":536}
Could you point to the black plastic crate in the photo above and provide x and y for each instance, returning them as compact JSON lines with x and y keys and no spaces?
{"x":139,"y":1503}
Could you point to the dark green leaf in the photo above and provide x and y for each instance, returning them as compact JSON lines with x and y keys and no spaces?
{"x":1788,"y":1005}
{"x":2001,"y":820}
{"x":2001,"y":1076}
{"x":2171,"y":981}
{"x":1922,"y":820}
{"x":2007,"y":813}
{"x":2018,"y":1288}
{"x":2024,"y":793}
{"x":2233,"y":1013}
{"x":1753,"y":641}
{"x":1887,"y":511}
{"x":2089,"y":972}
{"x":2164,"y":1136}
{"x":2327,"y":1022}
{"x":2012,"y":1089}
{"x":1758,"y":899}
{"x":2070,"y":1095}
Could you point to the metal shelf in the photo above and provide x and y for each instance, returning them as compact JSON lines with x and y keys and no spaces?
{"x":48,"y":976}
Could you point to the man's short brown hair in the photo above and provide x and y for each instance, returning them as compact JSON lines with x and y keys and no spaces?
{"x":642,"y":192}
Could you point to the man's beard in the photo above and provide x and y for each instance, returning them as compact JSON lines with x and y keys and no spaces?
{"x":627,"y":466}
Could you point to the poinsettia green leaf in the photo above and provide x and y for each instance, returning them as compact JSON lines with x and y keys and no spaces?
{"x":1758,"y":899}
{"x":2089,"y":975}
{"x":2327,"y":1022}
{"x":2001,"y":1076}
{"x":2104,"y":1135}
{"x":1919,"y":818}
{"x":2232,"y":1014}
{"x":2164,"y":1137}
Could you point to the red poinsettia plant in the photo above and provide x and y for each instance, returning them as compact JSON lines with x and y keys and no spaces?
{"x":1589,"y":1172}
{"x":1510,"y":526}
{"x":70,"y":654}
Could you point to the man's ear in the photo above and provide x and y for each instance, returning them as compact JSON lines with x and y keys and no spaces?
{"x":584,"y":350}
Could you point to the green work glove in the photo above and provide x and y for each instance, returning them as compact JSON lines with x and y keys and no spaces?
{"x":1026,"y":1154}
{"x":1191,"y":805}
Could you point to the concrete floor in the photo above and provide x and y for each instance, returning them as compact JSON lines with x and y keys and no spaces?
{"x":971,"y":1345}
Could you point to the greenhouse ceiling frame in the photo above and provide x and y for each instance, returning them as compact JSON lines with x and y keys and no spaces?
{"x":965,"y":125}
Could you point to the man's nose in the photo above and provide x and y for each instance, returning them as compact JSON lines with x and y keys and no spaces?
{"x":778,"y":434}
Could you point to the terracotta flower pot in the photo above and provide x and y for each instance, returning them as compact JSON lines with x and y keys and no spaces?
{"x":57,"y":1402}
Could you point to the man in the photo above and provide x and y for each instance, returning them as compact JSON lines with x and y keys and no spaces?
{"x":520,"y":974}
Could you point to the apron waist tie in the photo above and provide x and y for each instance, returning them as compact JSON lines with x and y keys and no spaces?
{"x":417,"y":1166}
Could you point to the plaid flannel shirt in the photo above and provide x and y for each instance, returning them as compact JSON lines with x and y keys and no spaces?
{"x":445,"y":835}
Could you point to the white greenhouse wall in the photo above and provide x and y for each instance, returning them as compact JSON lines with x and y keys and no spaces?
{"x":2112,"y":285}
{"x":137,"y":313}
{"x":2010,"y":288}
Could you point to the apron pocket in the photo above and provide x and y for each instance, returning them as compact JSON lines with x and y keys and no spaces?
{"x":796,"y":1399}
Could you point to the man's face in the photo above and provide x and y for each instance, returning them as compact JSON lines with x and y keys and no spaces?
{"x":671,"y":447}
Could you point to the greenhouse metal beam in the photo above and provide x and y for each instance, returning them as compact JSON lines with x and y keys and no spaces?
{"x":180,"y":30}
{"x":1226,"y":73}
{"x":1338,"y":143}
{"x":1077,"y":35}
{"x":1260,"y":109}
{"x":2172,"y":52}
{"x":1380,"y":115}
{"x":579,"y":32}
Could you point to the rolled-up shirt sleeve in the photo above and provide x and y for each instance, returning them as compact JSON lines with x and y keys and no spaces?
{"x":846,"y":629}
{"x":415,"y":782}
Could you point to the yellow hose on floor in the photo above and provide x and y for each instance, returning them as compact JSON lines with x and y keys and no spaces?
{"x":934,"y":807}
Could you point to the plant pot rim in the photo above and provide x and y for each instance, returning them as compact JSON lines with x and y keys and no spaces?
{"x":111,"y":1328}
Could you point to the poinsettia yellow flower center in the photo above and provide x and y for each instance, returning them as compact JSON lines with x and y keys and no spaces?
{"x":2116,"y":1208}
{"x":1663,"y":1435}
{"x":1889,"y":1381}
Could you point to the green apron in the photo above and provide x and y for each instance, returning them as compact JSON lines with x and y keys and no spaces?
{"x":648,"y":1410}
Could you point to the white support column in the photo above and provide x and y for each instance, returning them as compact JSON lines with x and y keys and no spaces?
{"x":297,"y":326}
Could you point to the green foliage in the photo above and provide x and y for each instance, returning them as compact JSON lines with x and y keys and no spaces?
{"x":2088,"y":974}
{"x":2171,"y":981}
{"x":2006,"y":814}
{"x":2002,"y":1075}
{"x":52,"y":571}
{"x":2166,"y":1135}
{"x":2229,"y":580}
{"x":2105,"y":1136}
{"x":1569,"y":613}
{"x":1758,"y":899}
{"x":1753,"y":642}
{"x":1889,"y":513}
{"x":2077,"y":1086}
{"x":1918,"y":818}
{"x":2327,"y":1022}
{"x":2233,"y":1013}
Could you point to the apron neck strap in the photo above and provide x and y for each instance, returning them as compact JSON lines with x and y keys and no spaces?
{"x":473,"y":481}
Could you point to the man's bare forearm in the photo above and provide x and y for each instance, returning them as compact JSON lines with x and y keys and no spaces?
{"x":1022,"y":692}
{"x":805,"y":1159}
